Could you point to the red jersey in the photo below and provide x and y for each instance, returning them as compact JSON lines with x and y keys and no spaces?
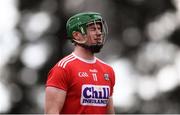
{"x":88,"y":84}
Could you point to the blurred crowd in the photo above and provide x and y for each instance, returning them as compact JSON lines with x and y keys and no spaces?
{"x":143,"y":47}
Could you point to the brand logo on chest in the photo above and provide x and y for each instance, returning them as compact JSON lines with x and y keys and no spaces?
{"x":93,"y":70}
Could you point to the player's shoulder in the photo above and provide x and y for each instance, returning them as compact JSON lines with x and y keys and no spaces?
{"x":65,"y":61}
{"x":103,"y":63}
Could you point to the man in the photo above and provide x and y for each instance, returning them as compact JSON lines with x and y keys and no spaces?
{"x":80,"y":83}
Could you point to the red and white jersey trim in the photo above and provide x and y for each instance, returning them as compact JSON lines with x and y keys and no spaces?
{"x":84,"y":60}
{"x":66,"y":60}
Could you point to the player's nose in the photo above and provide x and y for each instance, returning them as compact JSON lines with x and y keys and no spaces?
{"x":98,"y":32}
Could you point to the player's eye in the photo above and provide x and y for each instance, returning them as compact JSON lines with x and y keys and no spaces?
{"x":92,"y":28}
{"x":95,"y":29}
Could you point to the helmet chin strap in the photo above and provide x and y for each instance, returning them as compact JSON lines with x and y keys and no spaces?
{"x":80,"y":42}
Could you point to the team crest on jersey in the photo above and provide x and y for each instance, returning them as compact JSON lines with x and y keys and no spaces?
{"x":95,"y":95}
{"x":106,"y":77}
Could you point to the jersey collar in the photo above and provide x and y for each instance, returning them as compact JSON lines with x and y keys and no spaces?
{"x":85,"y":60}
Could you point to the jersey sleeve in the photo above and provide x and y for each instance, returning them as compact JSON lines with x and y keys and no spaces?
{"x":112,"y":81}
{"x":57,"y":77}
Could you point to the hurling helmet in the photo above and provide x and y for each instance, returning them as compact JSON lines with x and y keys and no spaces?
{"x":80,"y":21}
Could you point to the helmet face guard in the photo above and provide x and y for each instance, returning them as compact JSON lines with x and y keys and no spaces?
{"x":79,"y":22}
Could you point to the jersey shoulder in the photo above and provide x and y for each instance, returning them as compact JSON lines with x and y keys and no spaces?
{"x":65,"y":61}
{"x":104,"y":63}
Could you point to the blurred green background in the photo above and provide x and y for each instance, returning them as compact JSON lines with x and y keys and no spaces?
{"x":143,"y":48}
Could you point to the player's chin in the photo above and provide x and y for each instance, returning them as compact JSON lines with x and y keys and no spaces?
{"x":96,"y":48}
{"x":99,"y":44}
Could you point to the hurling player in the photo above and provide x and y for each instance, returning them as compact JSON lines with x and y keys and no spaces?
{"x":80,"y":83}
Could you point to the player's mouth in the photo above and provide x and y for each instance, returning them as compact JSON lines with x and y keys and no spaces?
{"x":98,"y":38}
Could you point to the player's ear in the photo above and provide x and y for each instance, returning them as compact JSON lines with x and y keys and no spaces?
{"x":77,"y":36}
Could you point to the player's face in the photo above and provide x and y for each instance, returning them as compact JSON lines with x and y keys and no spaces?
{"x":94,"y":34}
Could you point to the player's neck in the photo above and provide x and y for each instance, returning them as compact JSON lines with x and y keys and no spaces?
{"x":83,"y":53}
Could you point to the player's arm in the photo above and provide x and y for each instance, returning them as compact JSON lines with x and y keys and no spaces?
{"x":110,"y":108}
{"x":54,"y":100}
